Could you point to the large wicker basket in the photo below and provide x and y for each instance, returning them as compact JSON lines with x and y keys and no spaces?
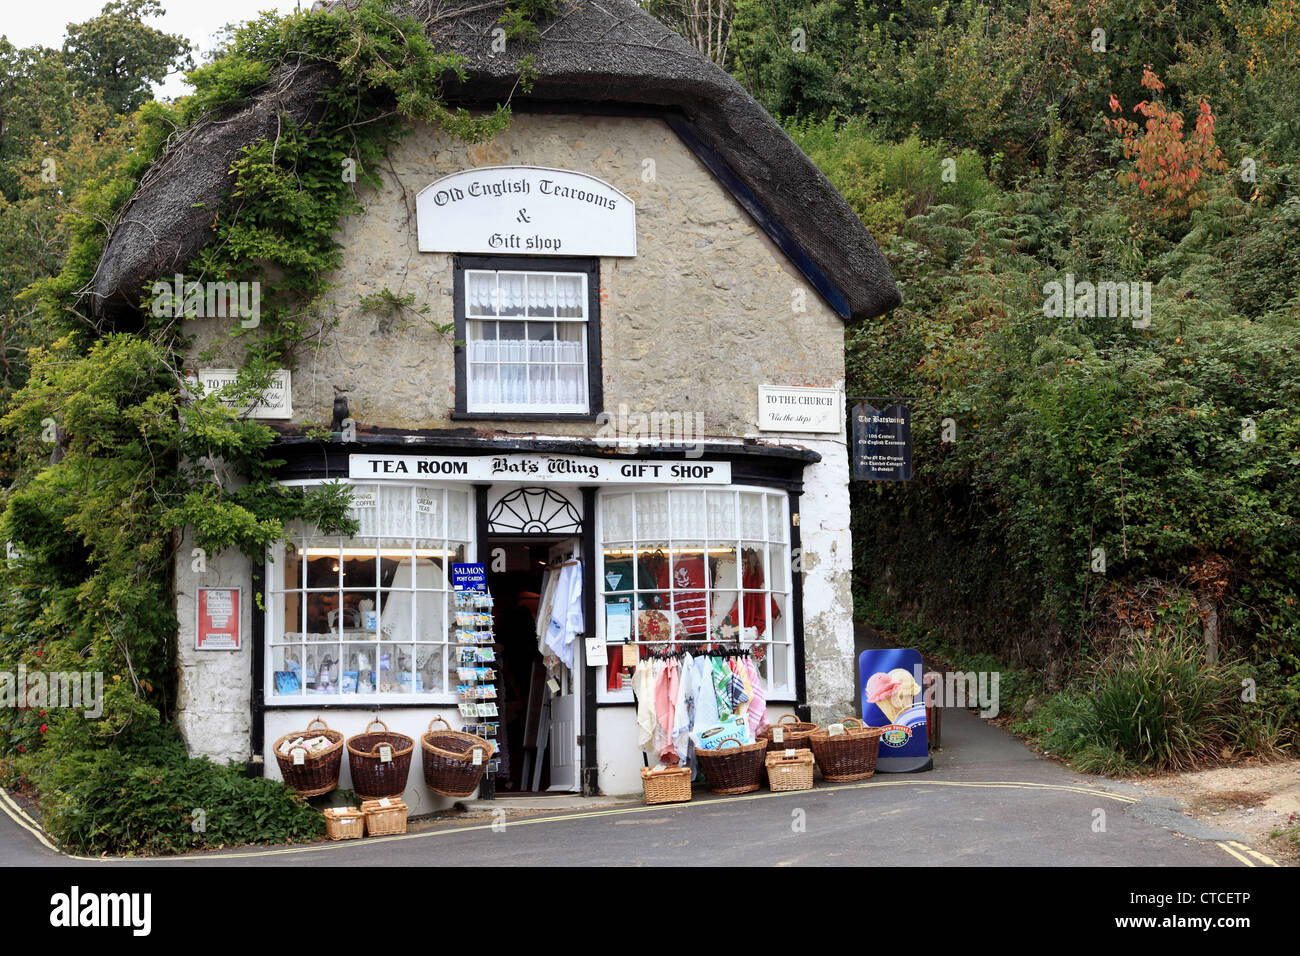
{"x":733,"y":769}
{"x":790,"y":769}
{"x":319,"y":771}
{"x":373,"y":776}
{"x":449,"y":767}
{"x":794,"y":733}
{"x":669,"y":785}
{"x":847,"y":756}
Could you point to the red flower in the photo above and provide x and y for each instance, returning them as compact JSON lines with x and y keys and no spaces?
{"x":44,"y":728}
{"x":22,"y":749}
{"x":42,"y":713}
{"x":40,"y":653}
{"x":1166,"y":527}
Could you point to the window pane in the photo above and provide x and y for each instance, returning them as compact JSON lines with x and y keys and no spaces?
{"x":617,"y":513}
{"x":570,"y":295}
{"x":484,"y":385}
{"x":689,"y":602}
{"x":541,"y":383}
{"x":688,"y":519}
{"x":652,"y":515}
{"x":751,"y":516}
{"x":775,"y":518}
{"x":722,"y":515}
{"x":541,"y":295}
{"x":480,"y":299}
{"x":511,"y":285}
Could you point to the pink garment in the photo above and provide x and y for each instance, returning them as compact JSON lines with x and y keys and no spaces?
{"x":665,"y":711}
{"x":757,"y":713}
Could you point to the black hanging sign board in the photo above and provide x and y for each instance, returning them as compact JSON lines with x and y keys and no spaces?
{"x":882,"y":443}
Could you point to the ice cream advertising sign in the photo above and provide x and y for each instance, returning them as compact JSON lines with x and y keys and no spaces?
{"x":892,"y":698}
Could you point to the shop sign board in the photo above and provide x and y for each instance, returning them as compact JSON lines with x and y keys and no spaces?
{"x":893,"y":697}
{"x":797,"y":409}
{"x":536,"y":467}
{"x":218,"y":620}
{"x":276,"y":402}
{"x":513,"y":210}
{"x":882,"y":443}
{"x":468,"y":577}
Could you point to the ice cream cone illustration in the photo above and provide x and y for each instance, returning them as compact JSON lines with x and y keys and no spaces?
{"x":893,"y":692}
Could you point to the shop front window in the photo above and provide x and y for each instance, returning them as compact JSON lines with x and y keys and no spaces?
{"x":367,"y":616}
{"x":698,"y":567}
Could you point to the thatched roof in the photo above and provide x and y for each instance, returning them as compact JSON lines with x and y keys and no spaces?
{"x":595,"y":55}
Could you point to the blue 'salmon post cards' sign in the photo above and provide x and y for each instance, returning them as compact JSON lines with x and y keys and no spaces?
{"x":468,"y":577}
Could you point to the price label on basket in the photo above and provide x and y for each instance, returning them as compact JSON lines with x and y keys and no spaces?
{"x":385,"y":754}
{"x":299,"y":756}
{"x":384,"y":802}
{"x":835,"y":730}
{"x":478,"y":756}
{"x":778,"y":735}
{"x":790,"y":751}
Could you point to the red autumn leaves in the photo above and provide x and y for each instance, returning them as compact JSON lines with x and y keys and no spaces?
{"x":1169,"y":169}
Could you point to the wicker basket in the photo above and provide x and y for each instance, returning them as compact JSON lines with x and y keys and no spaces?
{"x":344,"y":823}
{"x":737,"y":769}
{"x":794,"y":734}
{"x":372,"y":776}
{"x":384,"y":820}
{"x":847,"y":756}
{"x":790,"y":769}
{"x":669,"y":785}
{"x":319,"y":772}
{"x":449,"y":768}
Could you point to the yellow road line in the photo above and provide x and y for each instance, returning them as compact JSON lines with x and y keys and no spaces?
{"x":1255,"y":853}
{"x":1231,"y":852}
{"x":20,"y":817}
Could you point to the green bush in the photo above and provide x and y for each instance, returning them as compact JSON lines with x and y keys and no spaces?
{"x":150,"y":797}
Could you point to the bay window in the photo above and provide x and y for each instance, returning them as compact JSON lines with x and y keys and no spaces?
{"x":367,"y":616}
{"x":697,"y":566}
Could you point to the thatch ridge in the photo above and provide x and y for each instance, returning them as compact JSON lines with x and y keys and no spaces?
{"x":603,"y":53}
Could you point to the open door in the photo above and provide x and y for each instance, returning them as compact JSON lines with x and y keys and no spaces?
{"x":565,"y":703}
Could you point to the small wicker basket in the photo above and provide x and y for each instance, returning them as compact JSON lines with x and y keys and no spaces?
{"x":847,"y":756}
{"x":733,"y":769}
{"x":344,"y":823}
{"x":373,"y":776}
{"x":319,"y":772}
{"x":794,"y":733}
{"x":669,"y":785}
{"x":383,"y":820}
{"x":790,"y":769}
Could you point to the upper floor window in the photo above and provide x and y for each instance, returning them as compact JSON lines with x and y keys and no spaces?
{"x":530,"y":334}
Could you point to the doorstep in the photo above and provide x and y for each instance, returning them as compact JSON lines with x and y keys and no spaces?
{"x":516,"y":803}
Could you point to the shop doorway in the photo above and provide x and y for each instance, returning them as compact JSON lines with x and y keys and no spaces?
{"x":539,"y":709}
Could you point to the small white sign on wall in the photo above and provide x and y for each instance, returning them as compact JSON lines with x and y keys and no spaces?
{"x":525,"y":210}
{"x":795,"y":409}
{"x":277,"y":401}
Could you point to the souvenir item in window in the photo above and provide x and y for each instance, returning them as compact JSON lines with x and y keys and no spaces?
{"x":325,"y":680}
{"x":286,"y":682}
{"x":655,"y":626}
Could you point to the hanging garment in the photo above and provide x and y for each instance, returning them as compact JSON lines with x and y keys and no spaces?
{"x":721,"y":687}
{"x":737,"y":689}
{"x":755,"y":616}
{"x":706,"y":696}
{"x":681,"y":735}
{"x":757,"y":713}
{"x":566,"y":613}
{"x":646,"y":720}
{"x":665,"y":711}
{"x":688,"y":600}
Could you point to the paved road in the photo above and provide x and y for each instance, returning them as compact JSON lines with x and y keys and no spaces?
{"x":990,"y":801}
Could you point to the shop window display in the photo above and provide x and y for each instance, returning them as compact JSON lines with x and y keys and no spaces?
{"x":368,"y":616}
{"x":697,"y":567}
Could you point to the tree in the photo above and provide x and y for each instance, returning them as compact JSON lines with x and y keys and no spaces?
{"x":706,"y":24}
{"x":118,"y":56}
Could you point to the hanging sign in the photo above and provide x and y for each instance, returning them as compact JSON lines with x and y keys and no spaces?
{"x":882,"y":443}
{"x":514,"y":210}
{"x":276,"y":401}
{"x":468,"y":577}
{"x":570,"y":469}
{"x":217,"y":627}
{"x":892,"y":698}
{"x":782,"y":409}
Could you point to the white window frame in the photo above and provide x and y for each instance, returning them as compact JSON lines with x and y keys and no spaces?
{"x":582,"y":322}
{"x":275,"y":589}
{"x":786,"y":638}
